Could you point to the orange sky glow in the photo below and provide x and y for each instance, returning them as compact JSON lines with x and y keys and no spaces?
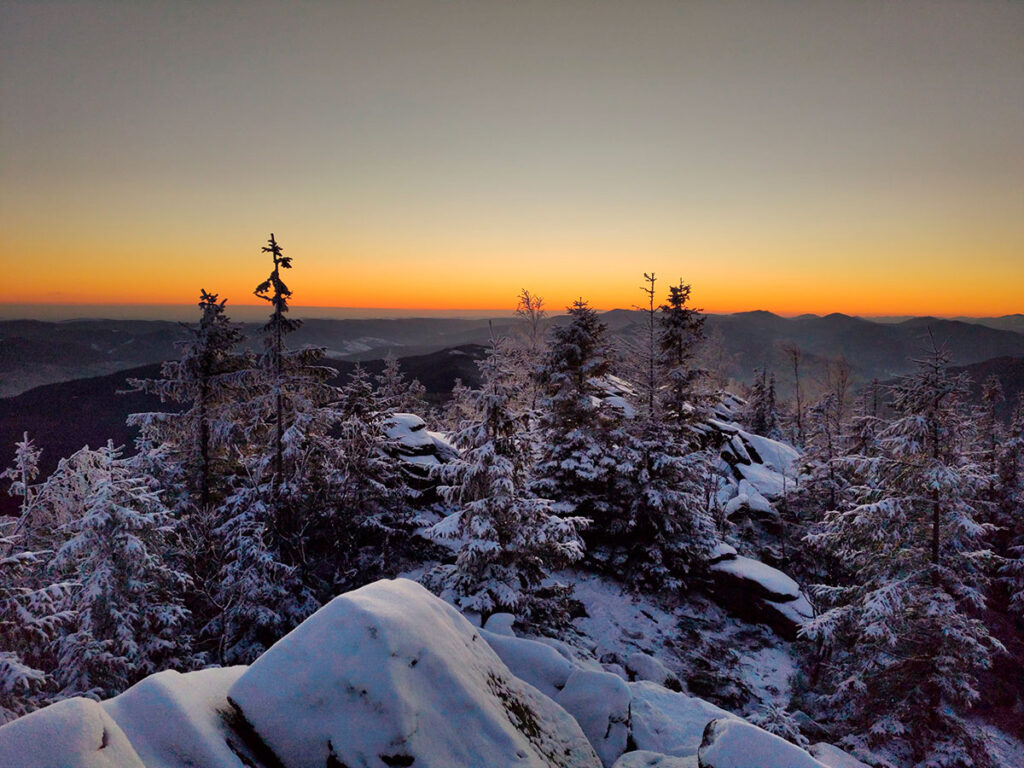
{"x":865,"y":158}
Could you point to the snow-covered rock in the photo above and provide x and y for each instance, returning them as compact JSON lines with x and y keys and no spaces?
{"x":176,"y":721}
{"x":722,"y":551}
{"x":757,"y":592}
{"x":390,"y":675}
{"x":734,"y":743}
{"x":758,"y":579}
{"x":417,"y":446}
{"x":669,"y":723}
{"x":643,"y":666}
{"x":501,"y":624}
{"x":74,"y":733}
{"x":642,"y":758}
{"x":539,"y":664}
{"x":787,"y":618}
{"x":834,"y":757}
{"x":600,"y":703}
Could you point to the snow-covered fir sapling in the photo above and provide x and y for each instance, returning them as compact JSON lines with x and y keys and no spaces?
{"x":368,"y":516}
{"x":509,"y":539}
{"x":902,"y":627}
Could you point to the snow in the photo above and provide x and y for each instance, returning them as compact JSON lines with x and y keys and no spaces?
{"x":538,"y":664}
{"x":74,"y":733}
{"x":834,"y":757}
{"x":501,"y":624}
{"x":642,"y":758}
{"x":765,"y":481}
{"x":773,"y":582}
{"x":776,"y":455}
{"x":798,"y":611}
{"x":600,"y":702}
{"x":667,"y":722}
{"x":389,"y":672}
{"x":723,"y":551}
{"x":749,"y":498}
{"x":409,"y":430}
{"x":733,"y":743}
{"x":643,"y":666}
{"x":617,"y":621}
{"x":175,"y":720}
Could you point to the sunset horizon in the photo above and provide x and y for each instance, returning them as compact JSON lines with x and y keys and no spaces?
{"x":863,"y":158}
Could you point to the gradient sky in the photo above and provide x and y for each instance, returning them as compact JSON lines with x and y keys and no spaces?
{"x":864,"y":157}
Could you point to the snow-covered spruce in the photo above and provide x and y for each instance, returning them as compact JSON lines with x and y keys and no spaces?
{"x":901,"y":626}
{"x":126,"y":618}
{"x":509,"y":540}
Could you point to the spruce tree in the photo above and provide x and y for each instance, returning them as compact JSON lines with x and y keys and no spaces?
{"x":397,"y":395}
{"x":681,"y":330}
{"x":192,"y":447}
{"x":126,"y":615}
{"x":902,"y":629}
{"x":578,"y":464}
{"x":761,"y":414}
{"x":30,"y":616}
{"x":510,"y":539}
{"x":285,"y":408}
{"x":367,"y":518}
{"x":665,"y":525}
{"x":1009,"y":503}
{"x":276,"y":292}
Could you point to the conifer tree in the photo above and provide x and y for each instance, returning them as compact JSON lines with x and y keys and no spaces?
{"x":578,"y":464}
{"x":530,"y":349}
{"x":901,"y":629}
{"x":681,"y":330}
{"x":458,"y":409}
{"x":30,"y":617}
{"x":367,"y":517}
{"x":286,"y":400}
{"x":665,"y":525}
{"x":761,"y":414}
{"x":510,"y":539}
{"x":257,"y":597}
{"x":276,"y":292}
{"x":1010,"y":505}
{"x":397,"y":395}
{"x":822,"y":477}
{"x":128,"y":619}
{"x":205,"y":380}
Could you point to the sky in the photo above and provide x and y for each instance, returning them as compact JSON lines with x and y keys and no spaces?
{"x":860,"y":157}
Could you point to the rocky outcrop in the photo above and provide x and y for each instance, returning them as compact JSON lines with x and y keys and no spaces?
{"x":759,"y":593}
{"x":388,"y":675}
{"x":732,"y":743}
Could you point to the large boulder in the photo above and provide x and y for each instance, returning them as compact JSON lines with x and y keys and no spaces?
{"x":177,"y":721}
{"x":600,"y":703}
{"x":757,"y":592}
{"x":74,"y":733}
{"x":733,"y":743}
{"x":667,"y":722}
{"x":389,"y":675}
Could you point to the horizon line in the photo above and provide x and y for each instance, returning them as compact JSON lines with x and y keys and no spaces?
{"x":9,"y":311}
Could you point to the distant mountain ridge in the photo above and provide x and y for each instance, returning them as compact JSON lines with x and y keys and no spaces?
{"x":34,"y":353}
